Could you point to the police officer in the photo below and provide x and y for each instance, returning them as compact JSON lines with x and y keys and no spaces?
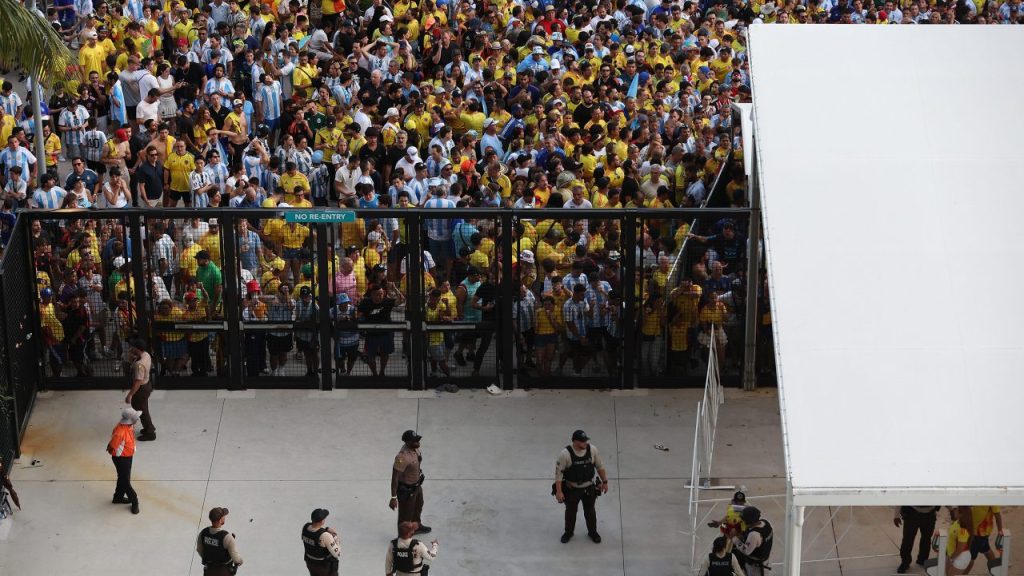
{"x":321,"y":544}
{"x":216,"y":546}
{"x":407,"y":556}
{"x":720,"y":561}
{"x":407,"y":482}
{"x":755,"y":546}
{"x":575,"y":482}
{"x":915,"y":519}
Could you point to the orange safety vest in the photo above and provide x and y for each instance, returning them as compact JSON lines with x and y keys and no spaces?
{"x":122,"y":441}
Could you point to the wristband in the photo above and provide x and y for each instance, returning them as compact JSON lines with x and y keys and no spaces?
{"x":394,"y":497}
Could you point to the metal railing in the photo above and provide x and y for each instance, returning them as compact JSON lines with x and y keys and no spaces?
{"x":704,"y":437}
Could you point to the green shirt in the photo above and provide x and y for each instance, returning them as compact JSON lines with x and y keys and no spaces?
{"x":210,"y":277}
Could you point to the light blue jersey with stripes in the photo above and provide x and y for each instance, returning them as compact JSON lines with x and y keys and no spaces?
{"x":269,"y":99}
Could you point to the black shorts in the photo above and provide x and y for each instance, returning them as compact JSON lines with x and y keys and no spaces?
{"x":279,"y":344}
{"x":97,"y":167}
{"x":528,"y":338}
{"x":306,"y":346}
{"x":175,"y":196}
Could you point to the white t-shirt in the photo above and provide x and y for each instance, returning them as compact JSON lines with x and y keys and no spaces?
{"x":148,"y":111}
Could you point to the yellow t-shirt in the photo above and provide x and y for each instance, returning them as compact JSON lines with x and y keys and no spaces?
{"x":49,"y":320}
{"x":677,"y":334}
{"x":544,"y":321}
{"x":91,"y":60}
{"x":187,"y":259}
{"x":211,"y":243}
{"x":303,"y":76}
{"x":652,"y":322}
{"x":721,"y":69}
{"x":52,"y":148}
{"x":983,"y":519}
{"x":293,"y":237}
{"x":173,"y":316}
{"x":289,"y":182}
{"x":180,"y":167}
{"x":473,"y":121}
{"x":6,"y":127}
{"x":435,"y":337}
{"x":480,"y":260}
{"x":957,"y":535}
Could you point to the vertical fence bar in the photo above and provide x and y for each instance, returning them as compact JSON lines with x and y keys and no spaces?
{"x":628,"y":322}
{"x":753,"y":278}
{"x":229,"y":301}
{"x":508,"y":294}
{"x":415,"y":302}
{"x":323,"y":302}
{"x":139,"y":277}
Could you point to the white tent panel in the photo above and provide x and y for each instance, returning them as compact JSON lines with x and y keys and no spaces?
{"x":890,"y":160}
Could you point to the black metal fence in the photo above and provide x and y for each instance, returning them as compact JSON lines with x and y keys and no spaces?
{"x":21,"y":344}
{"x":414,"y":298}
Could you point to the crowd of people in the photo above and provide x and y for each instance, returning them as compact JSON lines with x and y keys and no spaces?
{"x":430,"y":103}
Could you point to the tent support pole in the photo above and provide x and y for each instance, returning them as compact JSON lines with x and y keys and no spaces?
{"x":794,"y":539}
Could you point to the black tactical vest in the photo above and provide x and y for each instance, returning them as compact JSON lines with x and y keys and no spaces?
{"x":582,"y":467}
{"x":214,"y":551}
{"x":402,"y":557}
{"x":765,"y":549}
{"x":311,"y":541}
{"x":719,"y":566}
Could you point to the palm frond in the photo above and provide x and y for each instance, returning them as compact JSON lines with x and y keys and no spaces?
{"x":29,"y":43}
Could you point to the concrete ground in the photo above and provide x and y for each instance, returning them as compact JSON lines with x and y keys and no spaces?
{"x":273,"y":456}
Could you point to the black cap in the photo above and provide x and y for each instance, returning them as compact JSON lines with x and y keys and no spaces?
{"x":380,"y":268}
{"x":319,"y":515}
{"x":202,"y":255}
{"x":217,"y":513}
{"x":580,"y":436}
{"x":410,"y":436}
{"x":739,"y":497}
{"x":305,"y":291}
{"x":750,"y":515}
{"x":137,"y":343}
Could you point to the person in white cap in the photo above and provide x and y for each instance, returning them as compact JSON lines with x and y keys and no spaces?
{"x":534,"y":62}
{"x":556,"y":69}
{"x":122,"y":450}
{"x":391,"y":128}
{"x":490,"y":138}
{"x":408,"y":163}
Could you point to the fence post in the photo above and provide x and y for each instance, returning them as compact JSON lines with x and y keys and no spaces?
{"x":139,"y":277}
{"x":229,"y":301}
{"x":8,"y":408}
{"x":753,"y":279}
{"x":415,"y":302}
{"x":323,"y":302}
{"x":627,"y":322}
{"x":506,"y":341}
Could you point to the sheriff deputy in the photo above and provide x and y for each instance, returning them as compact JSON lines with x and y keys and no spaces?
{"x":407,"y":482}
{"x":322,"y":550}
{"x":575,"y":482}
{"x":407,"y":556}
{"x":216,"y":546}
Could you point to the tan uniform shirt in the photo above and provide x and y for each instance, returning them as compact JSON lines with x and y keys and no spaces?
{"x":327,"y":540}
{"x":420,"y":554}
{"x":564,"y":461}
{"x":229,"y":545}
{"x":142,"y":367}
{"x":407,"y":463}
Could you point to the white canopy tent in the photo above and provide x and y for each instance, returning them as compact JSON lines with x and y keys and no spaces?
{"x":889,"y":161}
